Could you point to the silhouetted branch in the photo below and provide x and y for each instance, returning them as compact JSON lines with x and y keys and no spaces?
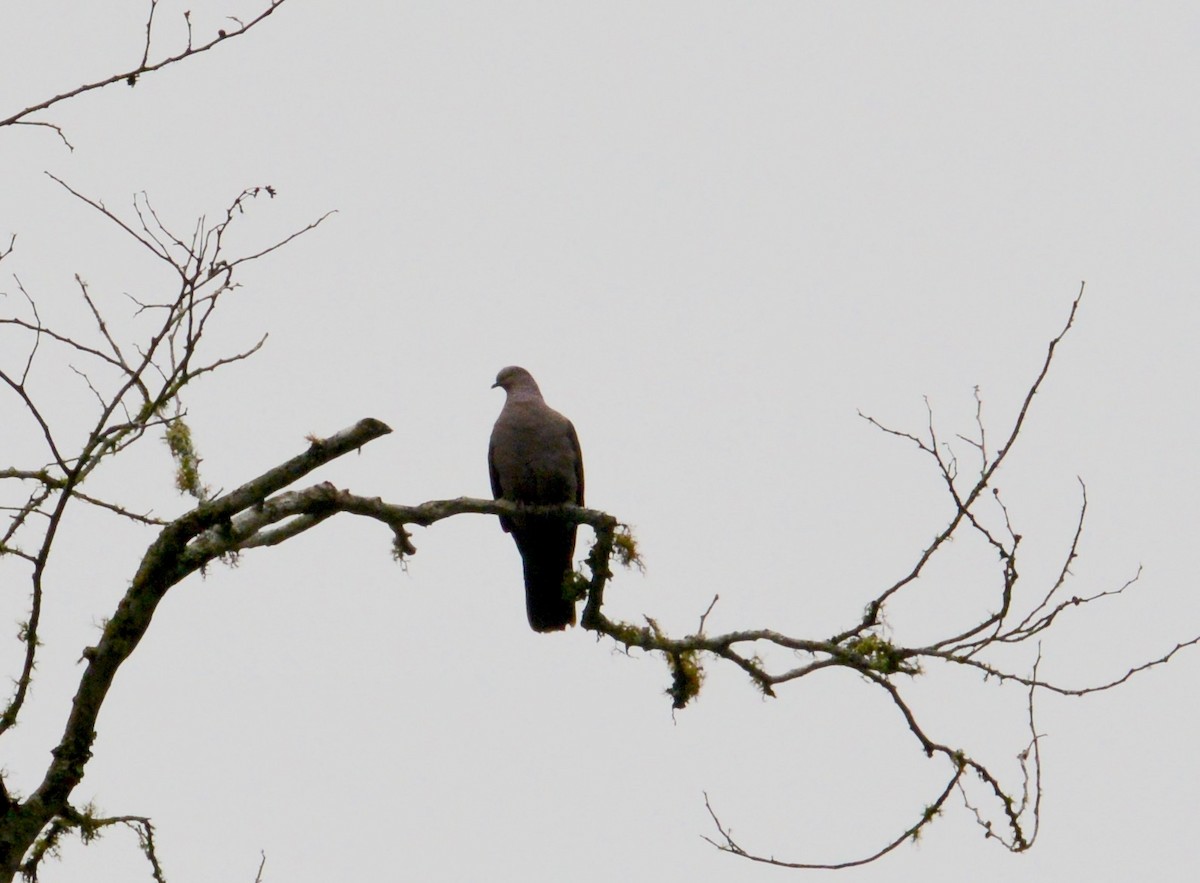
{"x":143,"y":67}
{"x":868,"y":648}
{"x":148,"y":385}
{"x":89,"y":827}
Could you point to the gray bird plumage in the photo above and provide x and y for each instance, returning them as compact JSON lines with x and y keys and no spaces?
{"x":534,"y":458}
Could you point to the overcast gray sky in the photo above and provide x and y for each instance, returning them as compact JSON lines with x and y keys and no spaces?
{"x":712,"y":231}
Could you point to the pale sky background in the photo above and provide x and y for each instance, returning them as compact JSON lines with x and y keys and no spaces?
{"x":712,"y":231}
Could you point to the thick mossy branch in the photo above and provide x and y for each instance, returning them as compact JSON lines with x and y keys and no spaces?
{"x":261,"y":512}
{"x":88,"y":824}
{"x":169,"y":559}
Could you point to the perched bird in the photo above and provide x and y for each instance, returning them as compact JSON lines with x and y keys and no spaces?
{"x":534,"y":458}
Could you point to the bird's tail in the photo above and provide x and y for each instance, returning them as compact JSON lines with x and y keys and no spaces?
{"x":546,"y":552}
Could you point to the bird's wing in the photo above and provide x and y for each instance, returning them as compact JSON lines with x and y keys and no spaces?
{"x":578,"y":463}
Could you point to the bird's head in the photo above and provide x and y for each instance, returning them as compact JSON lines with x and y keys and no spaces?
{"x":515,"y":379}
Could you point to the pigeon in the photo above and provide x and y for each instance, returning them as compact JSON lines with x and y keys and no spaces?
{"x":534,"y":458}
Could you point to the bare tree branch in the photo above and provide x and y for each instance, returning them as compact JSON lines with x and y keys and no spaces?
{"x":168,"y":561}
{"x":144,"y":66}
{"x":89,"y":826}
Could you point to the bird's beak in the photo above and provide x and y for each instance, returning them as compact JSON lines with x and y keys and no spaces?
{"x":494,"y":385}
